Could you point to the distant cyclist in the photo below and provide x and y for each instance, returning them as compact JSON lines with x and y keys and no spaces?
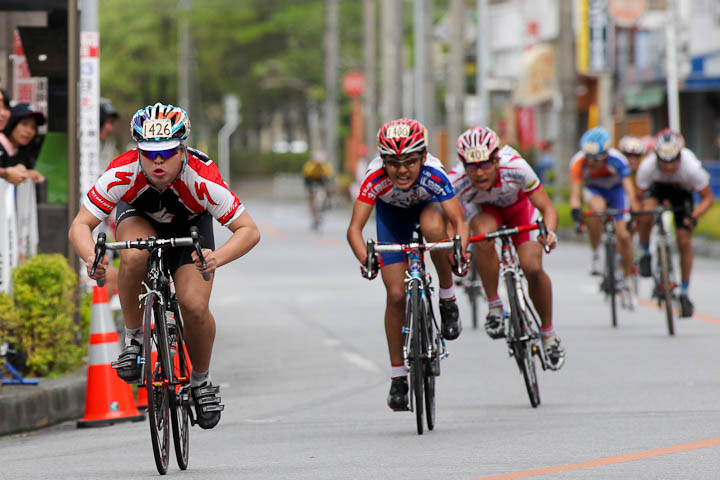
{"x":673,"y":173}
{"x":600,"y":176}
{"x":407,"y":186}
{"x":162,"y":188}
{"x":498,"y":187}
{"x":317,"y":174}
{"x":634,"y":149}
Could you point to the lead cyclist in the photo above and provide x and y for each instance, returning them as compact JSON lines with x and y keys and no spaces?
{"x":162,"y":188}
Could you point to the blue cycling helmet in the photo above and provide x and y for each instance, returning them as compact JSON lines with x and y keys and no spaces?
{"x":160,"y":127}
{"x":595,"y":141}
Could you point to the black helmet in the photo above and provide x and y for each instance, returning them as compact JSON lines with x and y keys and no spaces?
{"x":106,"y":111}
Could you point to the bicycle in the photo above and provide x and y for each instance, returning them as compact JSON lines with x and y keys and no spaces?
{"x":609,"y":283}
{"x":424,"y":345}
{"x":523,"y":335}
{"x":663,"y":275}
{"x":167,"y":384}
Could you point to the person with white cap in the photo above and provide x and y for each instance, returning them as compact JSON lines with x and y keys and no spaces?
{"x":162,"y":188}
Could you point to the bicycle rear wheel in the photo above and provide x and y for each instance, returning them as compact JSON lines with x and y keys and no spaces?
{"x":611,"y":281}
{"x":665,"y":286}
{"x":156,"y":382}
{"x":179,"y":413}
{"x":520,"y":344}
{"x":417,"y":372}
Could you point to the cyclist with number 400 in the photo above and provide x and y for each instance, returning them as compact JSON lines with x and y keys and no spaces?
{"x":498,"y":187}
{"x":407,"y":186}
{"x":161,"y":189}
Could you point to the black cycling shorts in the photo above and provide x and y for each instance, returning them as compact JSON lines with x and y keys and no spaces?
{"x":679,"y":198}
{"x":176,"y":257}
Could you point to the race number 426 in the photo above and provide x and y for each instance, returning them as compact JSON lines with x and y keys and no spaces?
{"x":160,"y":128}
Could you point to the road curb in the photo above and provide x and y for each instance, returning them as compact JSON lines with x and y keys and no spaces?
{"x":52,"y":401}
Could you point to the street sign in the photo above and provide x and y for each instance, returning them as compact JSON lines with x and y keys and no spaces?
{"x":353,"y":83}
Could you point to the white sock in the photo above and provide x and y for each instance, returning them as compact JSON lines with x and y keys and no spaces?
{"x":398,"y":371}
{"x":197,"y":379}
{"x":133,"y":334}
{"x":447,"y":293}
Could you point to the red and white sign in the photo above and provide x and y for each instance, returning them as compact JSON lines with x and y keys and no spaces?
{"x":32,"y":90}
{"x":627,"y":12}
{"x":353,"y":83}
{"x":89,"y":111}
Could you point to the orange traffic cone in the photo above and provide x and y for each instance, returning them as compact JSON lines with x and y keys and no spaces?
{"x":108,"y":399}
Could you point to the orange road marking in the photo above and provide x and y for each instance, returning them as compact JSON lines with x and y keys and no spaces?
{"x":601,"y":462}
{"x":697,"y":316}
{"x":270,"y":230}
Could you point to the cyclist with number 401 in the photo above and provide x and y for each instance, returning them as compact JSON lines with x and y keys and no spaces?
{"x":161,"y":189}
{"x":407,"y":186}
{"x":498,"y":187}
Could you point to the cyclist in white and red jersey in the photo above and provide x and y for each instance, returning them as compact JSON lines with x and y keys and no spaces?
{"x":161,"y":189}
{"x":673,"y":173}
{"x":498,"y":187}
{"x":407,"y":186}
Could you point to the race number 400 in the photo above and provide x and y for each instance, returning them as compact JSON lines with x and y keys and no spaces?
{"x":160,"y":128}
{"x":400,"y":130}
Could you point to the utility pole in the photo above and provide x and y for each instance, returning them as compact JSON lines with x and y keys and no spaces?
{"x":72,"y":111}
{"x":419,"y":13}
{"x":391,"y":56}
{"x":456,"y":95}
{"x":370,"y":53}
{"x":331,"y":81}
{"x":429,"y":79}
{"x":565,"y":103}
{"x":184,"y":58}
{"x":671,"y":64}
{"x":482,"y":55}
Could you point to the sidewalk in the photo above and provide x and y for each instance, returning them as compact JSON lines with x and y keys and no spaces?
{"x":53,"y":400}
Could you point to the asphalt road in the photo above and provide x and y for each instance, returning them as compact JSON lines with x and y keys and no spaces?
{"x":301,"y":357}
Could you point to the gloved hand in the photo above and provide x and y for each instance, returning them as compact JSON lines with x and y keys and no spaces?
{"x":463,"y":267}
{"x":577,"y":217}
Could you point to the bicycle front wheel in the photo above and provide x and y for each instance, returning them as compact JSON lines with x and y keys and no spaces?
{"x":429,"y":344}
{"x":611,"y":280}
{"x":521,"y":345}
{"x":474,"y":295}
{"x":156,"y":382}
{"x":417,"y":372}
{"x":665,"y":286}
{"x":179,"y":413}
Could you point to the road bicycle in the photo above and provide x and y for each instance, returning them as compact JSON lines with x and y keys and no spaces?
{"x":663,"y":275}
{"x":166,"y":378}
{"x":523,"y":329}
{"x":610,"y":276}
{"x":424,"y":345}
{"x":473,"y":288}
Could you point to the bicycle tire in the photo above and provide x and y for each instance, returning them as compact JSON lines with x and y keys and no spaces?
{"x":611,"y":281}
{"x":416,"y":361}
{"x":178,"y":413}
{"x":522,"y":349}
{"x":473,"y":294}
{"x":428,"y":374}
{"x":155,"y":374}
{"x":665,"y":286}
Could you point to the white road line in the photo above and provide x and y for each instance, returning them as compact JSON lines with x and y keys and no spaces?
{"x":360,"y":361}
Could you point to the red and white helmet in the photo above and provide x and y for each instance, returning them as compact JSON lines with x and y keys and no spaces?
{"x":630,"y":145}
{"x":401,"y":136}
{"x":477,"y":144}
{"x":668,"y":145}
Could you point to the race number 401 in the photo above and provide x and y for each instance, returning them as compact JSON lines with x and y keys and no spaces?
{"x":160,"y":128}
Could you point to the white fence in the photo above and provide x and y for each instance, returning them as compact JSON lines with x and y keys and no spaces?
{"x":18,"y":228}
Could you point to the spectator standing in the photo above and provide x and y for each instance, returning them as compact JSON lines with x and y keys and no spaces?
{"x":12,"y":174}
{"x":19,"y":140}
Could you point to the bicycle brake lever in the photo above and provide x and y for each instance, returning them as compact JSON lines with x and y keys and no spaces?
{"x":196,"y":243}
{"x":543,"y":233}
{"x":99,"y":254}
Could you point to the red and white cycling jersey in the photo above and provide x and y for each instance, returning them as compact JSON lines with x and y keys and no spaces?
{"x":690,"y":175}
{"x":199,"y":188}
{"x":515,"y":181}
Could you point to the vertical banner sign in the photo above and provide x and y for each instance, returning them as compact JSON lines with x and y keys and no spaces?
{"x":89,"y":110}
{"x":27,"y":220}
{"x":599,"y":23}
{"x":4,"y":247}
{"x":26,"y":88}
{"x":583,"y":37}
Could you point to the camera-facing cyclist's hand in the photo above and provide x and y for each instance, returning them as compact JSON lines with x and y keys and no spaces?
{"x":369,"y":273}
{"x":464,"y":267}
{"x":690,"y":222}
{"x":210,"y":261}
{"x":100,"y":270}
{"x":550,"y":240}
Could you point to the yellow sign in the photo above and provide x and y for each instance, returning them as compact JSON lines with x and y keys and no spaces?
{"x":583,"y":36}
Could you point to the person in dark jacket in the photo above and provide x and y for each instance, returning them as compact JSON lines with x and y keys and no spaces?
{"x":15,"y":174}
{"x":19,"y":140}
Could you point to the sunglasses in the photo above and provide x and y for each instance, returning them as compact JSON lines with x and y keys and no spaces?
{"x":595,"y":158}
{"x":472,"y":167}
{"x":165,"y":154}
{"x":395,"y":164}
